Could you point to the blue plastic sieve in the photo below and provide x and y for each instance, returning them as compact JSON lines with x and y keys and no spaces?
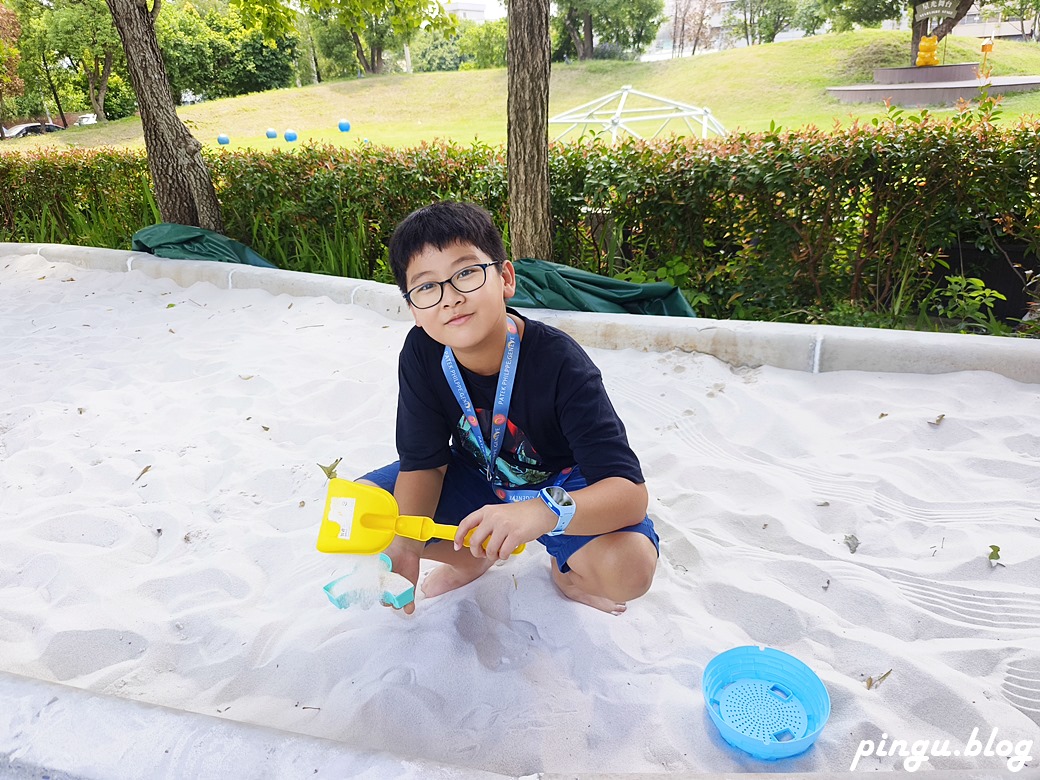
{"x":765,"y":702}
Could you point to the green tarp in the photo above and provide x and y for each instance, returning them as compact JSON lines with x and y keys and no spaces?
{"x":541,"y":284}
{"x":181,"y":242}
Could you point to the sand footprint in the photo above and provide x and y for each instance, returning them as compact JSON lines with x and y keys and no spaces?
{"x":87,"y":528}
{"x":42,"y":472}
{"x":498,"y":644}
{"x":72,"y":654}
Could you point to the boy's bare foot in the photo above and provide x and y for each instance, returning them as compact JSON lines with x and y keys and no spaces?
{"x":572,"y":591}
{"x":449,"y":576}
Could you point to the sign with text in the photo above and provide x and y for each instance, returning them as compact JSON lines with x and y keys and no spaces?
{"x":936,"y":9}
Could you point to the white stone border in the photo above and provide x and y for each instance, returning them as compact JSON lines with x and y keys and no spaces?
{"x":812,"y":348}
{"x":50,"y":730}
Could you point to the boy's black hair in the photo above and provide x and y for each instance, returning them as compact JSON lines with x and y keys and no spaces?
{"x":440,"y":225}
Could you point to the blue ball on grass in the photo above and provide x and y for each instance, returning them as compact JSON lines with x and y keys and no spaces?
{"x":290,"y":135}
{"x":223,"y":140}
{"x":272,"y":133}
{"x":344,"y":126}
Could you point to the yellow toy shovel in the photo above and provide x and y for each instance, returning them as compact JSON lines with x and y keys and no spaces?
{"x":363,"y":520}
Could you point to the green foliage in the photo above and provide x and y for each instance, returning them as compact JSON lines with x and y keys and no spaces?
{"x":484,"y":45}
{"x":40,"y":67}
{"x":86,"y":197}
{"x":337,"y":55}
{"x":218,"y":54}
{"x":621,"y":26}
{"x":852,"y":227}
{"x":186,"y":43}
{"x":10,"y":31}
{"x":253,"y":64}
{"x":845,"y":15}
{"x":82,"y":31}
{"x":120,"y":100}
{"x":379,"y":23}
{"x":433,"y":50}
{"x":340,"y":205}
{"x":760,"y":21}
{"x":630,"y":25}
{"x":968,"y":304}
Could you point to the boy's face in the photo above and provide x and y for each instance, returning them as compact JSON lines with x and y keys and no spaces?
{"x":461,"y":320}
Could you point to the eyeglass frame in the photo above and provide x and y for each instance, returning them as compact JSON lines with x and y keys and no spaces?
{"x":482,"y":266}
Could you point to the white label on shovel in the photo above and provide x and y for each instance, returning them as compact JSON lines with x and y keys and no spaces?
{"x":341,"y":512}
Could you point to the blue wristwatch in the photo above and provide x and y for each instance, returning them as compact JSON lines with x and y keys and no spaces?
{"x":561,"y":504}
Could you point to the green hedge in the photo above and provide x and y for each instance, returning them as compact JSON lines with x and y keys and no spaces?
{"x":779,"y":225}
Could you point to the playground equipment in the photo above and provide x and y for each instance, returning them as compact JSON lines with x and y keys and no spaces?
{"x":619,"y":111}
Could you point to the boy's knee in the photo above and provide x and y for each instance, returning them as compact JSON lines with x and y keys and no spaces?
{"x":626,"y":566}
{"x":636,"y":574}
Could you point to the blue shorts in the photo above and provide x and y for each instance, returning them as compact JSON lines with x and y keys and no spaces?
{"x":466,"y":490}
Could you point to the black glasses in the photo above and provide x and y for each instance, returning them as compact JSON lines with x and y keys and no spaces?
{"x":465,"y":280}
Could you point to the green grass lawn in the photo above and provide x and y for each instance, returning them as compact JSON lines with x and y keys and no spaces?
{"x":745,"y":89}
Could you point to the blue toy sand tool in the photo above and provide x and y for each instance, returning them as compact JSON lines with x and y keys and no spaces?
{"x":765,"y":702}
{"x":357,"y":589}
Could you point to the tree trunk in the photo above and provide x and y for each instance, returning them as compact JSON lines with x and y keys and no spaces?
{"x":588,"y":46}
{"x":570,"y":23}
{"x":530,"y":226}
{"x":360,"y":48}
{"x":183,"y":187}
{"x":313,"y":52}
{"x":54,"y":90}
{"x":97,"y":84}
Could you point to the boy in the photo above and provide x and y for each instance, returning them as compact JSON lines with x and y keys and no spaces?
{"x":538,"y":452}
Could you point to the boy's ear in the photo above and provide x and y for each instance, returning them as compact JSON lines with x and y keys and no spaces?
{"x":508,"y":280}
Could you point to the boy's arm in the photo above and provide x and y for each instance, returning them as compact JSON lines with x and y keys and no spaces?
{"x":417,"y":493}
{"x":607,"y":505}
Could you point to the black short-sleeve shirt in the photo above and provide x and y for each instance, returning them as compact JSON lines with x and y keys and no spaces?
{"x":559,"y":415}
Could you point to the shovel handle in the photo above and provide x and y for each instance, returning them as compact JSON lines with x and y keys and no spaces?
{"x":423,"y":529}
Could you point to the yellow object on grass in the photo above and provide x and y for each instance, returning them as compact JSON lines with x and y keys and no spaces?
{"x":364,"y":519}
{"x":928,"y":51}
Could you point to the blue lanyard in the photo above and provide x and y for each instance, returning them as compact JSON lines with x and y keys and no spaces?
{"x":500,"y":411}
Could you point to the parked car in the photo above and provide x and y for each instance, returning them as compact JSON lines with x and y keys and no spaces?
{"x":31,"y":128}
{"x":87,"y":119}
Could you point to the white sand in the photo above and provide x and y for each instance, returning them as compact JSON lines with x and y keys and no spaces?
{"x":196,"y":584}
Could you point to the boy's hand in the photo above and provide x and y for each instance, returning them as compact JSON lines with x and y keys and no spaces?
{"x":405,"y":556}
{"x":504,"y":527}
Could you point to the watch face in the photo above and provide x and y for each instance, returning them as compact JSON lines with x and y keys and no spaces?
{"x":560,"y":496}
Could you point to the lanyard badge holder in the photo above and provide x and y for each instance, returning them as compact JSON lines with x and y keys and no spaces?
{"x":500,"y":411}
{"x":499,"y":419}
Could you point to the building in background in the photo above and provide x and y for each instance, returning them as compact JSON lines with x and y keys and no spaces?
{"x":476,"y":10}
{"x":473,"y":11}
